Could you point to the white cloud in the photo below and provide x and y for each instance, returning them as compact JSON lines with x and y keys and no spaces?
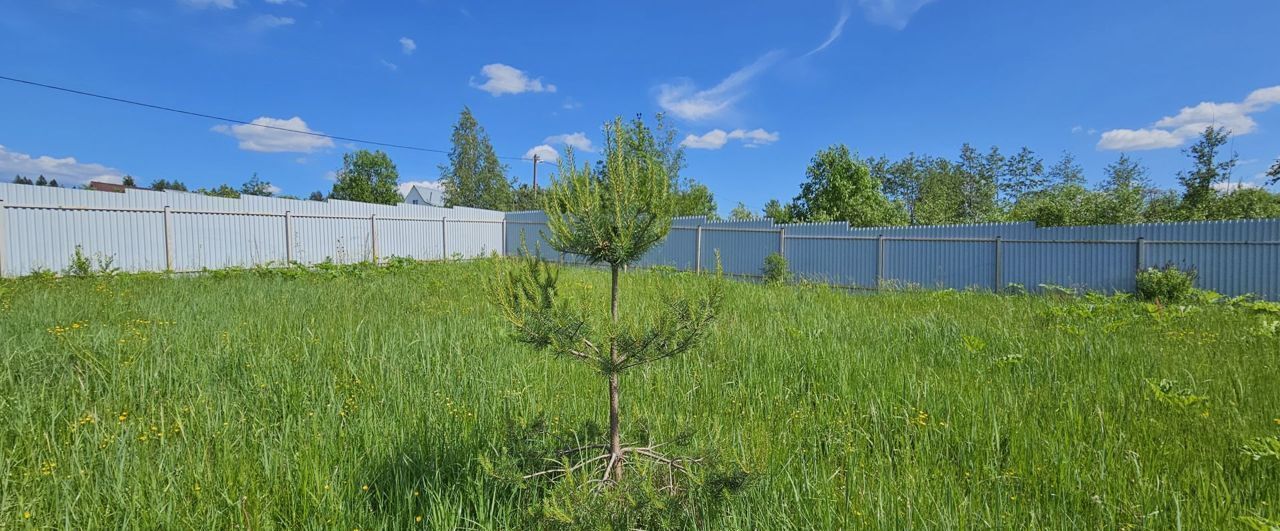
{"x":713,"y":139}
{"x":835,"y":31}
{"x":893,"y":13}
{"x":331,"y":176}
{"x":1176,"y":130}
{"x":684,"y":100}
{"x":571,"y":104}
{"x":1138,"y":139}
{"x":266,"y":22}
{"x":407,"y":45}
{"x":578,"y":141}
{"x":298,"y":3}
{"x":431,"y":185}
{"x":218,"y":4}
{"x":66,"y":170}
{"x":544,"y":153}
{"x":1077,"y":130}
{"x":390,"y":65}
{"x":273,"y":189}
{"x":502,"y":79}
{"x":1233,"y":186}
{"x":274,"y":135}
{"x":717,"y":138}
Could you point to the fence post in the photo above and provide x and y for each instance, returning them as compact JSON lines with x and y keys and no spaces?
{"x":1142,"y":253}
{"x":697,"y":251}
{"x":999,"y":266}
{"x":373,"y":236}
{"x":879,"y":261}
{"x":168,"y":241}
{"x":782,"y":243}
{"x":288,"y":237}
{"x":2,"y":237}
{"x":444,"y":239}
{"x":504,"y":236}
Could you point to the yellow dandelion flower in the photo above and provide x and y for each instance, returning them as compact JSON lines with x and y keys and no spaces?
{"x":418,"y":518}
{"x":364,"y":488}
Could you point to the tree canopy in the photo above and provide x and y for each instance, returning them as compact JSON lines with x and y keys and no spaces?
{"x":368,"y":177}
{"x":474,"y":177}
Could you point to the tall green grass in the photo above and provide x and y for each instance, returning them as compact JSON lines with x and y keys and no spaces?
{"x":369,"y":399}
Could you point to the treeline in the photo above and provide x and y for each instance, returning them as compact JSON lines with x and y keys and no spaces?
{"x":984,"y":187}
{"x":474,"y":175}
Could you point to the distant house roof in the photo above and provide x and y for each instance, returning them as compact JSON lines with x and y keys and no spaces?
{"x":424,"y":195}
{"x":107,"y":187}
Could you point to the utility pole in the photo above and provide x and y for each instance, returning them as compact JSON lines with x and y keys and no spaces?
{"x":535,"y":171}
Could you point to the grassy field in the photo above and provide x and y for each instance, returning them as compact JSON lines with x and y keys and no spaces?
{"x":372,"y":399}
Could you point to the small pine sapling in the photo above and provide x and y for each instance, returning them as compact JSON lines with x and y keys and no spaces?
{"x":612,"y":216}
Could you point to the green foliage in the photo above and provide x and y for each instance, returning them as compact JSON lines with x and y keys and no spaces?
{"x":527,"y":198}
{"x":1274,"y":173}
{"x":256,"y":186}
{"x":691,"y":198}
{"x":316,"y":196}
{"x":1063,"y":204}
{"x":741,"y":213}
{"x":617,"y":213}
{"x":221,"y":191}
{"x":367,"y":177}
{"x":841,"y":188}
{"x":474,"y":177}
{"x":1206,"y":171}
{"x":18,"y":179}
{"x":83,"y":265}
{"x":162,"y":184}
{"x":1168,"y":285}
{"x":776,"y":269}
{"x":128,"y":181}
{"x":779,"y":213}
{"x":1168,"y":392}
{"x":1245,"y":203}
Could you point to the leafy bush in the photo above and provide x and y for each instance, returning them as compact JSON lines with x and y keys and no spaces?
{"x":82,"y":265}
{"x":776,"y":270}
{"x":1168,"y":285}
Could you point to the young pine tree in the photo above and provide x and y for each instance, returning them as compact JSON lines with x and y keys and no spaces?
{"x":609,"y":217}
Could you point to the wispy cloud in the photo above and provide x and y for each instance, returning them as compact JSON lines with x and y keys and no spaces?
{"x":835,"y":31}
{"x":501,"y":79}
{"x":893,"y":13}
{"x":684,"y":100}
{"x":66,"y":170}
{"x":281,"y":140}
{"x":1176,"y":130}
{"x":390,"y":65}
{"x":717,"y":138}
{"x":407,"y":45}
{"x":204,"y":4}
{"x":266,"y":22}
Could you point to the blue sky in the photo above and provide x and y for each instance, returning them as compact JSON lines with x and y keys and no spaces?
{"x":754,"y":87}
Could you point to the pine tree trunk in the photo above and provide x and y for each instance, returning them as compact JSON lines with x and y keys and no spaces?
{"x":615,"y":435}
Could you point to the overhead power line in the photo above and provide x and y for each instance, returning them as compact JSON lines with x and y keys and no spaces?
{"x":232,"y":120}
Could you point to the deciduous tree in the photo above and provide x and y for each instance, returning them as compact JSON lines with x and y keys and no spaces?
{"x":840,"y":188}
{"x":368,"y":177}
{"x":1207,"y":169}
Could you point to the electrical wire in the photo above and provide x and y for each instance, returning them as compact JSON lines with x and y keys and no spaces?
{"x":234,"y":120}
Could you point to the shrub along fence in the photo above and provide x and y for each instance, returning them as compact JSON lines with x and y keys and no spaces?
{"x":141,"y":230}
